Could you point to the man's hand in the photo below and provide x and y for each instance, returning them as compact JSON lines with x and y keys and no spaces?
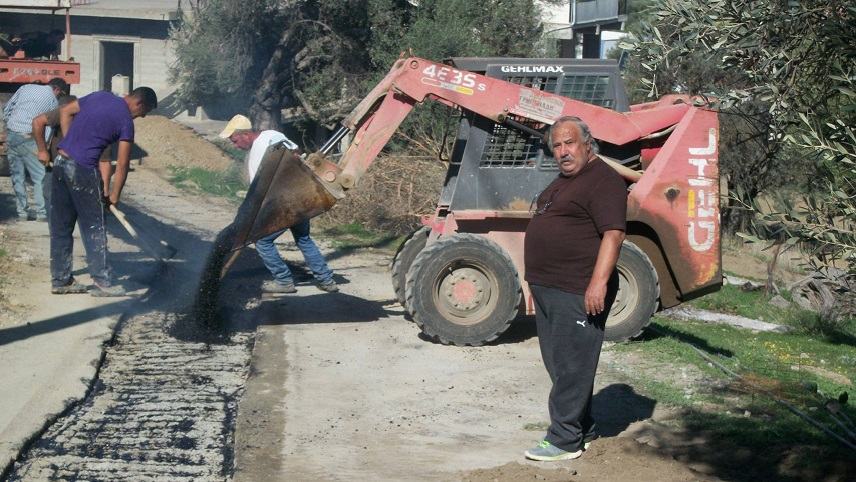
{"x":595,"y":296}
{"x":607,"y":256}
{"x":44,"y":157}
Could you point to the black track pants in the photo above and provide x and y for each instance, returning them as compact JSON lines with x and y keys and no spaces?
{"x":570,"y":344}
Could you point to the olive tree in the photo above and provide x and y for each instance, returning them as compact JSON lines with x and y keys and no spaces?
{"x":793,"y":71}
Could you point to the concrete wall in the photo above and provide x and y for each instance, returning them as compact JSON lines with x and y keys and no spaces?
{"x":151,"y":49}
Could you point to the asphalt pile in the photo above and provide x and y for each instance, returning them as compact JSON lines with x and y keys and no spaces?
{"x":204,"y":312}
{"x":163,"y":409}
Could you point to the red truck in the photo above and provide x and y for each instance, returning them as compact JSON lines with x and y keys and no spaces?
{"x":461,"y":275}
{"x":17,"y":67}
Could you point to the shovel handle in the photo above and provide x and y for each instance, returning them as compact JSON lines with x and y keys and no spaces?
{"x":133,"y":232}
{"x":124,"y":221}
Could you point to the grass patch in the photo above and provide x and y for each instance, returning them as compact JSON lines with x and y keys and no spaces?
{"x":219,"y":183}
{"x":751,"y":304}
{"x":354,"y":236}
{"x":734,"y":412}
{"x":790,"y":358}
{"x":755,"y":304}
{"x":226,"y":146}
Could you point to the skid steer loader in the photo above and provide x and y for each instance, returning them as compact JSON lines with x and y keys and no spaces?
{"x":461,"y":275}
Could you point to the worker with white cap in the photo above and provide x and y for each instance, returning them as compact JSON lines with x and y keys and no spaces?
{"x":239,"y":132}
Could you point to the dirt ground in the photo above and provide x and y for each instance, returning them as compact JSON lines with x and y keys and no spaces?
{"x":314,"y":385}
{"x":160,"y":142}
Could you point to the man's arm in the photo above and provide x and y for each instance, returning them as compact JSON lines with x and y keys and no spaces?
{"x":123,"y":161}
{"x":607,"y":257}
{"x":66,"y":114}
{"x":106,"y":169}
{"x":39,"y":124}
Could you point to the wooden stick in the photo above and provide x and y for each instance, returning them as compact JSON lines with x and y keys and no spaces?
{"x":133,"y":232}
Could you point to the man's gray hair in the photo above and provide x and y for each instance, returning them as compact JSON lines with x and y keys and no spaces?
{"x":584,"y":131}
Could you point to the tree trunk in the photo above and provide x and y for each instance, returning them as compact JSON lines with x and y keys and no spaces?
{"x":269,"y":97}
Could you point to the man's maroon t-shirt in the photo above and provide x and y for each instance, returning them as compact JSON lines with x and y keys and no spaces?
{"x":572,"y":213}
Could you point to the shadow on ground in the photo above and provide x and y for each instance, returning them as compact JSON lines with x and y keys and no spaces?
{"x":8,"y":211}
{"x":617,"y":406}
{"x":166,"y":284}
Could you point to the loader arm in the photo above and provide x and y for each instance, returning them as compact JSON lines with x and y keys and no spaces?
{"x":287,"y":190}
{"x":413,"y":80}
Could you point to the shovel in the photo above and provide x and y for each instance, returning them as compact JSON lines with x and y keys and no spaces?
{"x":167,"y":251}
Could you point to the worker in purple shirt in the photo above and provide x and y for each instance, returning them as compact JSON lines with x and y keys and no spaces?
{"x":81,"y":190}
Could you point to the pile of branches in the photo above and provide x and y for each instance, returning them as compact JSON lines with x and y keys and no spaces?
{"x":395,"y":191}
{"x":830,"y":292}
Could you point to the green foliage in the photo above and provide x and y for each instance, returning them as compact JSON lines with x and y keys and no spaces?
{"x":830,"y":328}
{"x":216,"y":48}
{"x":787,"y":68}
{"x":317,"y":58}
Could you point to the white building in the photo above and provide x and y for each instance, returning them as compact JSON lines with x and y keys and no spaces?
{"x":584,"y":28}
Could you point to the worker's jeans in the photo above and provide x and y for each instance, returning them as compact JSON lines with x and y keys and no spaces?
{"x":274,"y":263}
{"x":23,"y":160}
{"x":570,"y":342}
{"x":76,"y":193}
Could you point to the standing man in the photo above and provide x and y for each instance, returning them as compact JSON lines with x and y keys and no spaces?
{"x":238,"y":131}
{"x":570,"y":252}
{"x":81,"y":190}
{"x":29,"y":102}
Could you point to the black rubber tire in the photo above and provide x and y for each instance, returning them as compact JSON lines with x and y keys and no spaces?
{"x":484,"y":267}
{"x":638,"y":295}
{"x":403,"y":259}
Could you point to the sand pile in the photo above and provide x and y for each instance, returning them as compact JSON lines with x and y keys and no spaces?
{"x":161,"y":142}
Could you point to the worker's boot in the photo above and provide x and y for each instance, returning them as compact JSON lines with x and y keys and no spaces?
{"x":329,"y":286}
{"x":107,"y":291}
{"x":73,"y":287}
{"x":278,"y":287}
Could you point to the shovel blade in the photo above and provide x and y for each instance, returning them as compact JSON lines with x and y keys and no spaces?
{"x":284,"y":192}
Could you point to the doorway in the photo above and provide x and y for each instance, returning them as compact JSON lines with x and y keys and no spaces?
{"x":117,"y":58}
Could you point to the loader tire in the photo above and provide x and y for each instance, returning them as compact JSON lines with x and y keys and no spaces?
{"x":403,"y":259}
{"x":638,"y":295}
{"x":463,"y":290}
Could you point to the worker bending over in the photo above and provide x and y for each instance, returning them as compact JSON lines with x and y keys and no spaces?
{"x":239,"y":132}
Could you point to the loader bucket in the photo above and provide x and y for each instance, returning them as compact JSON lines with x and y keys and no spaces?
{"x":284,"y":192}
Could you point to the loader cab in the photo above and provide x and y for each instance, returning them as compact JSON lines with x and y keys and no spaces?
{"x":497,"y":168}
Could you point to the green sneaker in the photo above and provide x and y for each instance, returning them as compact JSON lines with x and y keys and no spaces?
{"x":547,"y":452}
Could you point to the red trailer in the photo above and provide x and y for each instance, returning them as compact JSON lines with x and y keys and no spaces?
{"x":18,"y":67}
